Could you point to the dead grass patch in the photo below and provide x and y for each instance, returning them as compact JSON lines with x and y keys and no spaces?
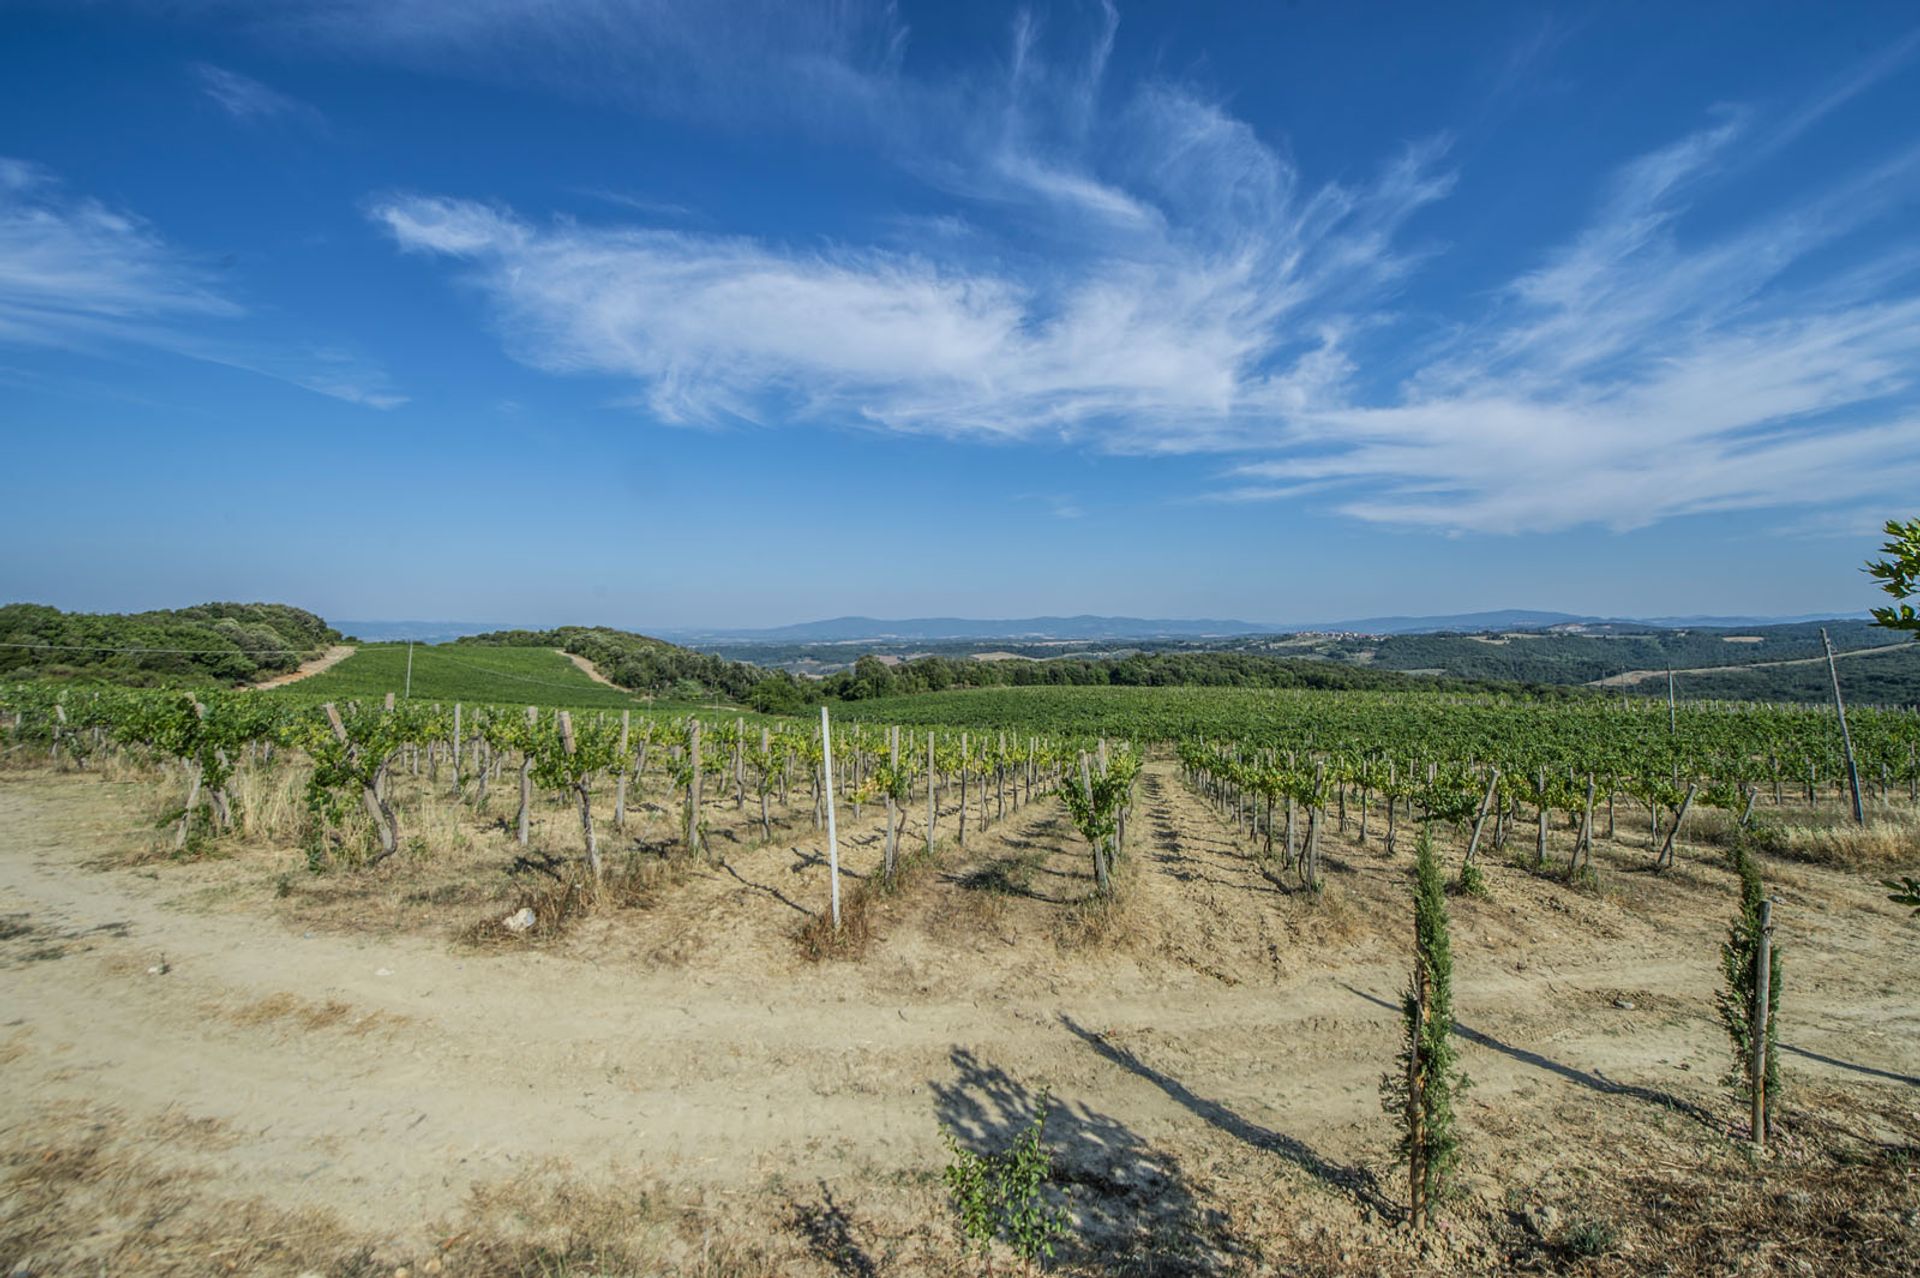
{"x":817,"y":937}
{"x":1881,"y":844}
{"x":290,"y":1009}
{"x":80,"y":1194}
{"x":1840,"y":1195}
{"x":563,"y":893}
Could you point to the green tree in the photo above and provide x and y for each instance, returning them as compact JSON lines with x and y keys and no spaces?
{"x":1422,"y":1090}
{"x":1899,"y":574}
{"x":1735,"y":1001}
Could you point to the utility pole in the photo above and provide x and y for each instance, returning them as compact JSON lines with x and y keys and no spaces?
{"x":409,"y":694}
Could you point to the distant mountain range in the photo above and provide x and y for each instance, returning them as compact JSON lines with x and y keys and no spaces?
{"x":1084,"y":628}
{"x":1081,"y":628}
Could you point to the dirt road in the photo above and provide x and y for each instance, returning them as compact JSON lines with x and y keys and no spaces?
{"x":325,"y":661}
{"x":381,"y":1077}
{"x":1627,"y":678}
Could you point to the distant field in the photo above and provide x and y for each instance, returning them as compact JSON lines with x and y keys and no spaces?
{"x":530,"y":676}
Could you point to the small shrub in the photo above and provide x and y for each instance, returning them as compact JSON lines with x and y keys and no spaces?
{"x":1003,"y":1194}
{"x":1589,"y":1237}
{"x":1472,"y":882}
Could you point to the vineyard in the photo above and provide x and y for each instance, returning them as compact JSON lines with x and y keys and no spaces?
{"x":1135,"y":950}
{"x":446,"y":673}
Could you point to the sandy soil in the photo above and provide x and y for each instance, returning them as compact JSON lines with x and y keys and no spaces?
{"x":1213,"y":1049}
{"x":587,"y":668}
{"x":325,"y":661}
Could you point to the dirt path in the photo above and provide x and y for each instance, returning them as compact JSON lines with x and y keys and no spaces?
{"x":587,"y":668}
{"x":1224,"y":1024}
{"x":1628,"y":678}
{"x":325,"y":661}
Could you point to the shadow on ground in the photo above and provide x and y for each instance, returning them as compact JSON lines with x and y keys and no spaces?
{"x":1133,"y":1210}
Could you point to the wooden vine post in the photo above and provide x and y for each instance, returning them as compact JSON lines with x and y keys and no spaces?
{"x":526,"y":778}
{"x":384,"y":825}
{"x":1480,"y":821}
{"x":1846,"y":738}
{"x":581,"y":792}
{"x":893,"y":809}
{"x":693,"y":788}
{"x":455,"y":753}
{"x":833,"y":833}
{"x":931,"y":813}
{"x":620,"y":783}
{"x":1665,"y":858}
{"x":1100,"y":877}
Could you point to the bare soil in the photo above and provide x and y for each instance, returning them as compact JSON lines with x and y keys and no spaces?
{"x":325,"y":661}
{"x":587,"y":668}
{"x":231,"y":1064}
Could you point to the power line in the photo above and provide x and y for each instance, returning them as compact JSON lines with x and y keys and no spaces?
{"x":195,"y":652}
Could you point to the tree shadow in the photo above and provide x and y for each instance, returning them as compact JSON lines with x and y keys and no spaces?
{"x":803,"y":860}
{"x":771,"y":891}
{"x":1593,"y":1081}
{"x":1355,"y":1181}
{"x":1132,"y":1208}
{"x":1835,"y":1061}
{"x":831,"y":1237}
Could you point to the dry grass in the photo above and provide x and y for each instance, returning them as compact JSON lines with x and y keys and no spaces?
{"x":819,"y":939}
{"x":1840,"y":1195}
{"x":1890,"y":838}
{"x":290,"y":1009}
{"x":78,"y":1194}
{"x":563,"y":893}
{"x":1880,"y":844}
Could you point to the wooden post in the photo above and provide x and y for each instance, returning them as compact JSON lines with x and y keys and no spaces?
{"x":1665,"y":858}
{"x":1101,"y":881}
{"x":931,"y":814}
{"x":962,"y":835}
{"x":893,"y":810}
{"x":1479,"y":821}
{"x":1540,"y":798}
{"x":1583,"y":846}
{"x":620,"y":783}
{"x":833,"y":834}
{"x":526,"y":777}
{"x":693,"y":787}
{"x":1758,"y":1026}
{"x":582,"y":794}
{"x":1846,"y":738}
{"x":409,"y":669}
{"x":384,"y":824}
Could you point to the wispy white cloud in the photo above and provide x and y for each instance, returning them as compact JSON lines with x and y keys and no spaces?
{"x":79,"y":274}
{"x":1142,"y":270}
{"x":1636,"y":375}
{"x":811,"y":63}
{"x":1153,"y":276}
{"x":250,"y":101}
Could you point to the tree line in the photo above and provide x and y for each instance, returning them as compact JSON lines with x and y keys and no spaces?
{"x":206,"y":645}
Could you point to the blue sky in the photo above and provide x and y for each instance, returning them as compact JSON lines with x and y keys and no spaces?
{"x":676,"y":313}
